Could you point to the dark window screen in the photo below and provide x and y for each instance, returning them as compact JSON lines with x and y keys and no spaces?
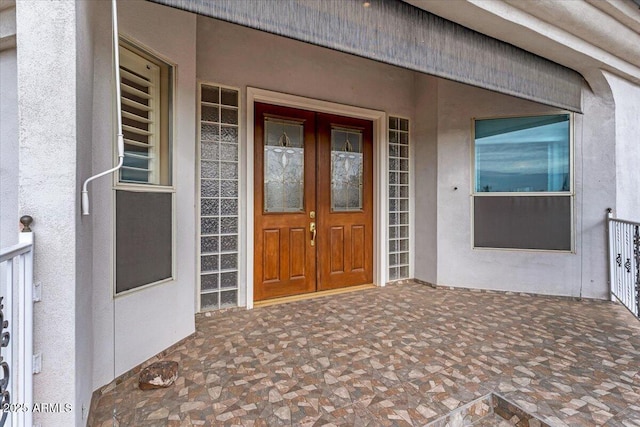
{"x":523,"y":222}
{"x":143,"y":238}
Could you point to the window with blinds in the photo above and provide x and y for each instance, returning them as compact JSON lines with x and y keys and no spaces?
{"x":145,"y":86}
{"x":144,"y":241}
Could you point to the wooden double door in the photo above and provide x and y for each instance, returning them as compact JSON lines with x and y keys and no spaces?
{"x":313,"y":201}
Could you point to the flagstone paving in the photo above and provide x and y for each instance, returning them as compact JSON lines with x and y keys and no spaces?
{"x":402,"y":355}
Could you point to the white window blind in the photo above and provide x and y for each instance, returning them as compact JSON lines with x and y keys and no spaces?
{"x":140,"y":86}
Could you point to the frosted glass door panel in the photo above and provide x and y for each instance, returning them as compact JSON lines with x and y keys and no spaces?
{"x":283,"y":166}
{"x":346,"y":170}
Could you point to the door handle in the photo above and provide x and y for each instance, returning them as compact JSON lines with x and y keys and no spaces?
{"x":312,"y":229}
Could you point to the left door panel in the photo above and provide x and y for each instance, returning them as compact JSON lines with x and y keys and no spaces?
{"x":285,"y":150}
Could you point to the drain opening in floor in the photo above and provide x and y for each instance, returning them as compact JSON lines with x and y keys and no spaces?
{"x":489,"y":410}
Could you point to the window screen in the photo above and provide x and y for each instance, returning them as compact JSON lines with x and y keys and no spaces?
{"x":535,"y":222}
{"x":143,"y":238}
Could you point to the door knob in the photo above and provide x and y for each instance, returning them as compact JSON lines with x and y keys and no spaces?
{"x":312,"y":229}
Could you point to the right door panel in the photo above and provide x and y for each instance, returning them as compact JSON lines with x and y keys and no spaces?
{"x":345,"y":201}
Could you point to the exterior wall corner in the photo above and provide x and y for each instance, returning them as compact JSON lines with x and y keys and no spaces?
{"x":47,"y":137}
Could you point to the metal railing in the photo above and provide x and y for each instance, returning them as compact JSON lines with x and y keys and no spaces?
{"x":624,"y":262}
{"x":16,"y":330}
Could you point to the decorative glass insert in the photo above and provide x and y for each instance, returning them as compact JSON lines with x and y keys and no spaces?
{"x":346,"y":170}
{"x":283,"y":166}
{"x":219,"y":118}
{"x":398,"y":198}
{"x":522,"y":154}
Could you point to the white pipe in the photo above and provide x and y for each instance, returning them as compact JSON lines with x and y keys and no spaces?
{"x":120,"y":136}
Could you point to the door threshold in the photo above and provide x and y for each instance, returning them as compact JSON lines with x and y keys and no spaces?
{"x":312,"y":295}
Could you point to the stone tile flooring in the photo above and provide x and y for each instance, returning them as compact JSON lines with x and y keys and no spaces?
{"x":403,"y":355}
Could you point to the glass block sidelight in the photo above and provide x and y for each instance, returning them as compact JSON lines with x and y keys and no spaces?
{"x":218,"y":149}
{"x":398,"y":198}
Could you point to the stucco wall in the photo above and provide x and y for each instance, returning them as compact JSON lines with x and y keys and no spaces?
{"x":100,"y":200}
{"x":85,"y":15}
{"x":134,"y":327}
{"x":626,"y":96}
{"x":596,"y":190}
{"x":237,"y":56}
{"x":425,"y":166}
{"x":47,"y":137}
{"x":527,"y":271}
{"x":8,"y":149}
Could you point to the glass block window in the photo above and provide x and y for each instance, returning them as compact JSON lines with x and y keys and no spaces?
{"x":398,"y":198}
{"x":219,"y":198}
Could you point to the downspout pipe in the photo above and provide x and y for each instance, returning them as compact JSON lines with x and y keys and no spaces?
{"x":120,"y":136}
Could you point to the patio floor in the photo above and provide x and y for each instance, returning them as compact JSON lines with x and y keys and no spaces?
{"x":405,"y":354}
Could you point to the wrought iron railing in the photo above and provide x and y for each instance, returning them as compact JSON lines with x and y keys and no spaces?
{"x":624,"y":262}
{"x":16,"y":330}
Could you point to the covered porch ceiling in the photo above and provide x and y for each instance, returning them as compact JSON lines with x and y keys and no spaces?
{"x":586,"y":36}
{"x":397,"y":33}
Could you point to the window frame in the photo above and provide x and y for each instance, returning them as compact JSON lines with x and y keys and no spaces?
{"x":117,"y":185}
{"x":570,"y":194}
